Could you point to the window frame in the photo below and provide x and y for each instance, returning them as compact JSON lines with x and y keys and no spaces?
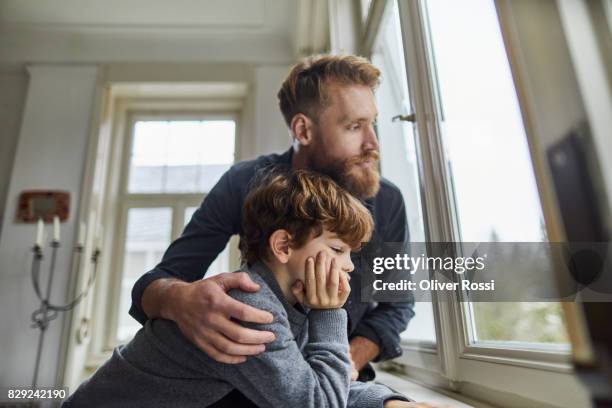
{"x":422,"y":354}
{"x":177,"y":202}
{"x":453,"y":363}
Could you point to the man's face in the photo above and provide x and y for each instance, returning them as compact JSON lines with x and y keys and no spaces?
{"x":344,"y":144}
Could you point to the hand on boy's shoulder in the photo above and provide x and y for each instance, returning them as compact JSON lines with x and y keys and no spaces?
{"x":264,"y":299}
{"x":206,"y":314}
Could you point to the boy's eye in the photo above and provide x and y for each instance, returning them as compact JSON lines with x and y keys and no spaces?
{"x":339,"y":251}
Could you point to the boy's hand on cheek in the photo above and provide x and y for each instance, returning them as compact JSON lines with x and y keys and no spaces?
{"x":322,"y":289}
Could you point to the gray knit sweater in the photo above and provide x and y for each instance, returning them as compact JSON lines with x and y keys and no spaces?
{"x":306,"y":366}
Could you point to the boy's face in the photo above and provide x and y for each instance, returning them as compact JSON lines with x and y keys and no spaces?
{"x":345,"y":145}
{"x":327,"y":242}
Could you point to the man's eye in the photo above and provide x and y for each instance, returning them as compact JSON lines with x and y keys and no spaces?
{"x":355,"y":127}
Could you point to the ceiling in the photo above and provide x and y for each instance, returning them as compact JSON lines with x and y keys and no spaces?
{"x":84,"y":31}
{"x":145,"y":14}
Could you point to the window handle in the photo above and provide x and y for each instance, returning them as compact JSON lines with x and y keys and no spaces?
{"x":404,"y":118}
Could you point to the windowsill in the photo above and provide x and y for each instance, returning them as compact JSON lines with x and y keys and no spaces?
{"x":397,"y":382}
{"x":421,"y":393}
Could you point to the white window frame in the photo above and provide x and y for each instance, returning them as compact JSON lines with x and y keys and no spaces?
{"x":512,"y":374}
{"x":177,"y":202}
{"x":127,"y":112}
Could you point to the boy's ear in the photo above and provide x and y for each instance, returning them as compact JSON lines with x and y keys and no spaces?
{"x":279,"y":245}
{"x":302,"y":129}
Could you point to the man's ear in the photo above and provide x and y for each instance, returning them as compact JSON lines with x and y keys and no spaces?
{"x":279,"y":245}
{"x":302,"y":129}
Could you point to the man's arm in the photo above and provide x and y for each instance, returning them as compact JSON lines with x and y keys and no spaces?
{"x":202,"y":309}
{"x":189,"y":256}
{"x":382,"y":326}
{"x":153,"y":296}
{"x":362,"y":351}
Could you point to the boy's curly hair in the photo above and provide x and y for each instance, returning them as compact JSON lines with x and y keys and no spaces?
{"x":303,"y":203}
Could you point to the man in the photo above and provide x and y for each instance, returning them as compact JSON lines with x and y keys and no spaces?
{"x":328,"y":104}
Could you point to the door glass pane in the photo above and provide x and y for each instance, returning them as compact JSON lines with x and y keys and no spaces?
{"x":147,"y":237}
{"x":397,"y":146}
{"x":180,"y":156}
{"x":487,"y":155}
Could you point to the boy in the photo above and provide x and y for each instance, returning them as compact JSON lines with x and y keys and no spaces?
{"x":299,"y":230}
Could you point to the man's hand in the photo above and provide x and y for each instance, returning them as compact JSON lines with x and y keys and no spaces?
{"x":203,"y":309}
{"x":322,"y":289}
{"x":361,"y":352}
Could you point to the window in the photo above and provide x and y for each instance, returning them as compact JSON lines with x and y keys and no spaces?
{"x":487,"y":156}
{"x":173,"y":163}
{"x":461,"y":158}
{"x":146,"y":239}
{"x":397,"y":147}
{"x":180,"y":156}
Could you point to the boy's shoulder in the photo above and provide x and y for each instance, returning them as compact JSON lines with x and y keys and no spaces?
{"x":264,"y":298}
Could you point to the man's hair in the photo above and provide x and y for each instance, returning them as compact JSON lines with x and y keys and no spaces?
{"x":303,"y":203}
{"x":304,"y":89}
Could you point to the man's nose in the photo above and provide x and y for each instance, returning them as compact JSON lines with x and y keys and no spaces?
{"x":371,"y":140}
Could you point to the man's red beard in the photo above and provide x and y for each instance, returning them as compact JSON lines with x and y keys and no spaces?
{"x":362,"y":182}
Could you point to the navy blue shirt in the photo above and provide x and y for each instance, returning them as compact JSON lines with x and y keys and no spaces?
{"x":220,"y":216}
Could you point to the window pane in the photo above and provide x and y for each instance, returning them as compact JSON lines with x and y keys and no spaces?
{"x":180,"y":156}
{"x":397,"y":147}
{"x":147,"y":237}
{"x":492,"y":179}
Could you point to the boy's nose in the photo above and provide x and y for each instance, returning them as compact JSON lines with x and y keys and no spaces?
{"x":348,"y":266}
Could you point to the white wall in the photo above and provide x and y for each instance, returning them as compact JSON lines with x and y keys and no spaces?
{"x":50,"y":155}
{"x":12,"y":97}
{"x":271,"y":133}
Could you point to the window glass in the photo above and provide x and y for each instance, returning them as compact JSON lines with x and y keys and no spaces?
{"x":180,"y":156}
{"x":147,"y":237}
{"x":170,"y":157}
{"x":487,"y":155}
{"x":397,"y":146}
